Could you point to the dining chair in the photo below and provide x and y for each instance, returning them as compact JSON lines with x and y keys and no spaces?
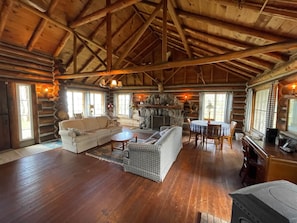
{"x":229,"y":137}
{"x":192,"y":133}
{"x":212,"y":132}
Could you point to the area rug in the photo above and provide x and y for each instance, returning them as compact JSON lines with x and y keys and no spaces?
{"x":104,"y":153}
{"x":15,"y":154}
{"x":116,"y":156}
{"x":208,"y":218}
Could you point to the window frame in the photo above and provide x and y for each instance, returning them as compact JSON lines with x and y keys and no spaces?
{"x":86,"y":100}
{"x":227,"y":106}
{"x":127,"y":113}
{"x":270,"y":118}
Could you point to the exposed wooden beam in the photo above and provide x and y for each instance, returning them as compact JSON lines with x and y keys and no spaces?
{"x":108,"y":38}
{"x":199,"y":61}
{"x":40,"y":27}
{"x":218,"y":50}
{"x":138,"y":35}
{"x":240,"y":73}
{"x":234,"y":71}
{"x":172,"y":75}
{"x":120,"y":4}
{"x":214,"y":49}
{"x":179,"y":28}
{"x":7,"y":5}
{"x":225,"y":25}
{"x":226,"y":43}
{"x":164,"y":31}
{"x":281,"y":71}
{"x":90,"y":50}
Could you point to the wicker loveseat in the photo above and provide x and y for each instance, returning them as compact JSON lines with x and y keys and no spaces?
{"x":153,"y":161}
{"x":79,"y":135}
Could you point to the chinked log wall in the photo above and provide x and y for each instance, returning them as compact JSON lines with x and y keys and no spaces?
{"x":18,"y":64}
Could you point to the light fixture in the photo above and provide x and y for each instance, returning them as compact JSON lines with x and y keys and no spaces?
{"x":113,"y":84}
{"x":294,"y":90}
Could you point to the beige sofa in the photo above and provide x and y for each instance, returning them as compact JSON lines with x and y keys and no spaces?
{"x":79,"y":135}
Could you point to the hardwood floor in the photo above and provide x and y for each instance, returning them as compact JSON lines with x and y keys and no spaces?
{"x":59,"y":186}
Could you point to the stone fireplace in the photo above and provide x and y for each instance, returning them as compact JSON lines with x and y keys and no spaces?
{"x":160,"y":109}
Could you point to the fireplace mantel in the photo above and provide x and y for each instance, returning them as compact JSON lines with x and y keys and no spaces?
{"x":160,"y":106}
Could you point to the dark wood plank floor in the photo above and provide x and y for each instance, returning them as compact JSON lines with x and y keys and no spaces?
{"x":59,"y":186}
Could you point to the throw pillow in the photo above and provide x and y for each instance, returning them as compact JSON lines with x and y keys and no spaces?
{"x":163,"y":131}
{"x":110,"y":123}
{"x":75,"y":132}
{"x":71,"y":133}
{"x":156,"y":135}
{"x":150,"y":141}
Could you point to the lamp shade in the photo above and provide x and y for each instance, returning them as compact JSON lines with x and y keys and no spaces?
{"x":113,"y":83}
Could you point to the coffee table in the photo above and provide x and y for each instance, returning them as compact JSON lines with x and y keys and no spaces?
{"x":122,"y":137}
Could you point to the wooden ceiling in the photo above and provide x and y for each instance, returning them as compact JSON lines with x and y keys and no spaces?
{"x":150,"y":42}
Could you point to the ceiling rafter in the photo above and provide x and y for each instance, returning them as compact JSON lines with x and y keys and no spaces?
{"x":243,"y":74}
{"x":179,"y":28}
{"x":191,"y":62}
{"x":221,"y":50}
{"x":7,"y":5}
{"x":274,"y":56}
{"x":41,"y":26}
{"x":138,"y":35}
{"x":226,"y":25}
{"x":119,"y":5}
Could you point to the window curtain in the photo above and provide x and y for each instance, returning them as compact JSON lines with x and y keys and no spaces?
{"x":131,"y":106}
{"x":229,"y":107}
{"x":115,"y":104}
{"x":248,"y":110}
{"x":270,"y":120}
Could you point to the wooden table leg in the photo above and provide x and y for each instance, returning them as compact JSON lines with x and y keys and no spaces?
{"x":196,"y":139}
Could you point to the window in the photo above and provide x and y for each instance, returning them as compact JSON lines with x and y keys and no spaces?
{"x":25,"y":112}
{"x":216,"y":106}
{"x":260,"y":110}
{"x":75,"y":101}
{"x":96,"y":104}
{"x":86,"y":103}
{"x":123,"y":104}
{"x":292,"y":122}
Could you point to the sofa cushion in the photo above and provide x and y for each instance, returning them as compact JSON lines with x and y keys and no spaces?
{"x":90,"y":124}
{"x":75,"y":132}
{"x":102,"y":122}
{"x":75,"y":124}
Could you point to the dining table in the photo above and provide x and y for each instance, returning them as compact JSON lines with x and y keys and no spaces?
{"x":200,"y":126}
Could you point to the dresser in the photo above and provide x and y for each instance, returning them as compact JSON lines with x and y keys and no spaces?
{"x":273,"y":163}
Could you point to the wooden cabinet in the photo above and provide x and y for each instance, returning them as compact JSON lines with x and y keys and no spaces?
{"x":273,"y":163}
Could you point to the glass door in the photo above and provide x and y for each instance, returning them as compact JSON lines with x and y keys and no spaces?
{"x":25,"y":116}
